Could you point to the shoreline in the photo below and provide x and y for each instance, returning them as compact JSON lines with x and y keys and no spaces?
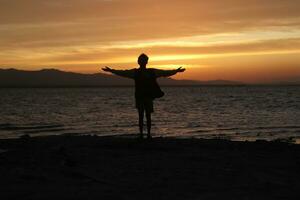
{"x":235,"y":138}
{"x":114,"y":167}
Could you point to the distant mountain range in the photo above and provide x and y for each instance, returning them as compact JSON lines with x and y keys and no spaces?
{"x":291,"y":81}
{"x":57,"y":78}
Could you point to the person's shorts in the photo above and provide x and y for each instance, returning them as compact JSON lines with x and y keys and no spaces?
{"x":144,"y":104}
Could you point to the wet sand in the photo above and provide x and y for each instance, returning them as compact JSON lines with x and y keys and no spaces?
{"x":91,"y":167}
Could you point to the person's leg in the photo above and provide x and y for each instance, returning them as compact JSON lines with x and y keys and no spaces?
{"x":148,"y":117}
{"x":141,"y":120}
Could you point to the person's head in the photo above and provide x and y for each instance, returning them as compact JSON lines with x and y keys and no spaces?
{"x":143,"y":60}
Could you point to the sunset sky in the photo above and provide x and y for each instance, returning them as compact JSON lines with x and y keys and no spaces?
{"x":250,"y":41}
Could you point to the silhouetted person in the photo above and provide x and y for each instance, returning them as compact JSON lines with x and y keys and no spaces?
{"x":146,"y":88}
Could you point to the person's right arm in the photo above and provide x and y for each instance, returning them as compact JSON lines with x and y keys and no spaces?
{"x":166,"y":73}
{"x":128,"y":73}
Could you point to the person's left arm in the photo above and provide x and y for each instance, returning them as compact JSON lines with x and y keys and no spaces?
{"x":128,"y":73}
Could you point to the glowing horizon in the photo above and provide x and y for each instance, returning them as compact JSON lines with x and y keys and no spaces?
{"x":233,"y":40}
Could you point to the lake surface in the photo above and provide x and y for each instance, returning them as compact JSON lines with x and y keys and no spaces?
{"x":237,"y":113}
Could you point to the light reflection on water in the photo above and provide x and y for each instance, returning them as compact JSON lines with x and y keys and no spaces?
{"x":238,"y":113}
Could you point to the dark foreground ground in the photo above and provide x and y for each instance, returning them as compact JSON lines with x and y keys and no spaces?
{"x":89,"y":167}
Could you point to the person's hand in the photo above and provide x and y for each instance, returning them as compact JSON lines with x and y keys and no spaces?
{"x":106,"y":69}
{"x":180,"y":69}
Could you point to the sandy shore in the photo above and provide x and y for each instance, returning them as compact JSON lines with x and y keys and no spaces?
{"x":90,"y":167}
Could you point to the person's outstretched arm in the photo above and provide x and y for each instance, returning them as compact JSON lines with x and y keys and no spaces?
{"x":166,"y":73}
{"x":128,"y":73}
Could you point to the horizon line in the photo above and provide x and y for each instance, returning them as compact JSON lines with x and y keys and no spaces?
{"x":235,"y":82}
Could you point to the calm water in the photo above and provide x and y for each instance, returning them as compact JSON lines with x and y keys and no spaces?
{"x":238,"y":113}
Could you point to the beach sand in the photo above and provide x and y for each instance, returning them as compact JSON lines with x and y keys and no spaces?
{"x":91,"y":167}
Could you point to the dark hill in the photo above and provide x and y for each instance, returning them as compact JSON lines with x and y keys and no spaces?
{"x":57,"y":78}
